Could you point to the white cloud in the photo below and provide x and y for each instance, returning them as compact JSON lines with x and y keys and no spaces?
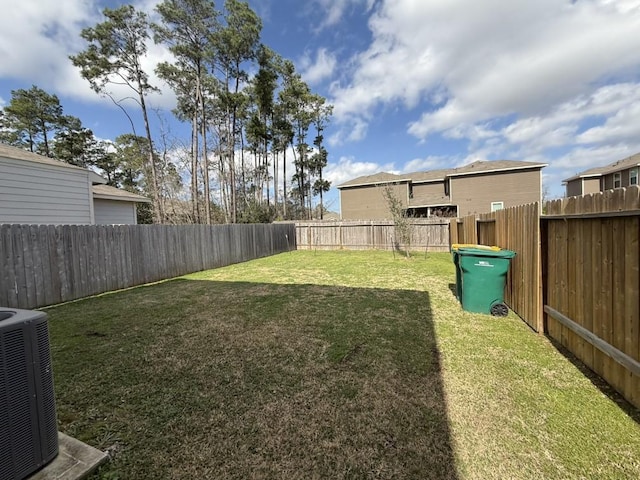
{"x":428,"y":163}
{"x":334,"y":10}
{"x":483,"y":60}
{"x":580,"y":159}
{"x":37,"y":37}
{"x":354,"y":132}
{"x":622,"y":126}
{"x":320,"y":68}
{"x":347,"y":168}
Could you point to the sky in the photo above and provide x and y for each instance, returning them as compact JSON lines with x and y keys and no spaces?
{"x":415,"y":84}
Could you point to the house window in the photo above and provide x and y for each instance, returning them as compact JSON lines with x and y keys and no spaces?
{"x":633,"y":176}
{"x":497,"y":206}
{"x":617,"y":180}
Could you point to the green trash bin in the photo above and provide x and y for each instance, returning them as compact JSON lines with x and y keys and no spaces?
{"x":454,"y":255}
{"x":483,"y":277}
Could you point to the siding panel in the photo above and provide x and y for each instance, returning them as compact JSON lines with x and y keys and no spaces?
{"x":429,"y":194}
{"x":112,"y":212}
{"x":475,"y":193}
{"x":43,"y":194}
{"x":368,"y":202}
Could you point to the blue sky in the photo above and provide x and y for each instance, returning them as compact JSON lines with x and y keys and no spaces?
{"x":415,"y":84}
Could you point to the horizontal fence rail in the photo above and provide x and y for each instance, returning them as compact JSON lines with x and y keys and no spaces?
{"x":623,"y":359}
{"x":426,"y":234}
{"x":45,"y":264}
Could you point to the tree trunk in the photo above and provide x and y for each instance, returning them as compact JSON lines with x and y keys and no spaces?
{"x":321,"y":204}
{"x":266,"y":167}
{"x":275,"y":178}
{"x":194,"y":168}
{"x":232,"y":160}
{"x":205,"y":156}
{"x":46,"y":139}
{"x":224,"y":197}
{"x":158,"y":212}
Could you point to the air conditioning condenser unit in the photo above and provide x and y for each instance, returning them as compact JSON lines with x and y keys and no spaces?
{"x":29,"y":433}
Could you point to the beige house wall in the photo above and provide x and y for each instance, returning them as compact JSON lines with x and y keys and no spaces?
{"x":583,"y":186}
{"x":368,"y":202}
{"x":429,"y":194}
{"x":475,"y":193}
{"x":574,"y":187}
{"x":591,"y":185}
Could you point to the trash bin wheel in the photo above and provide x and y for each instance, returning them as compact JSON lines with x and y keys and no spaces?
{"x":499,"y":310}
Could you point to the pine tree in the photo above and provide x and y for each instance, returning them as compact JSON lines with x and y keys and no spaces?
{"x":114,"y":57}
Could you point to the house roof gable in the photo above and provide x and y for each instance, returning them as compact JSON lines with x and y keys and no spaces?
{"x":429,"y":176}
{"x":106,"y":192}
{"x":15,"y":153}
{"x":494,"y":166}
{"x":618,"y":165}
{"x":440,"y":175}
{"x":376,"y":178}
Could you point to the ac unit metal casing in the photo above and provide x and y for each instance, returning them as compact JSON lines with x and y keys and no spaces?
{"x":29,"y":438}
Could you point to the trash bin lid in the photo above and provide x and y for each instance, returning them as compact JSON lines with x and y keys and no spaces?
{"x":458,"y":246}
{"x":481,"y":252}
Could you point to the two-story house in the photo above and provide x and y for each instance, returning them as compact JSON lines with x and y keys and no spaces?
{"x":479,"y":187}
{"x":622,"y":173}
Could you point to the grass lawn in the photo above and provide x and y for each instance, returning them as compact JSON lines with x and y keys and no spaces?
{"x":327,"y":365}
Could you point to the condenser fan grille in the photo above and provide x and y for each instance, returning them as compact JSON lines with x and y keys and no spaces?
{"x":48,"y":399}
{"x":27,"y":405}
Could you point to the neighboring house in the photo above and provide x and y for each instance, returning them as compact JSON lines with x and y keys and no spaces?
{"x":39,"y":190}
{"x":479,"y":187}
{"x":622,"y":173}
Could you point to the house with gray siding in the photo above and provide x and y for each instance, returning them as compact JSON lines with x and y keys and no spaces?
{"x":621,"y":173}
{"x":39,"y":190}
{"x":479,"y":187}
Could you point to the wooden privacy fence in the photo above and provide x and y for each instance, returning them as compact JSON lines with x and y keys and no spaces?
{"x":576,"y":276}
{"x":592,"y":287}
{"x":430,"y":234}
{"x":44,"y":264}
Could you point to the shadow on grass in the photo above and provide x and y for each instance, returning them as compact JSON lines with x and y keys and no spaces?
{"x":454,"y":290}
{"x":597,"y":381}
{"x":209,"y":379}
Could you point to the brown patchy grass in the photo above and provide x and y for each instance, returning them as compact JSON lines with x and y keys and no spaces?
{"x":326,"y":365}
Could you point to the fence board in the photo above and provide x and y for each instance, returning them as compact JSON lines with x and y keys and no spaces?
{"x":44,"y":265}
{"x":8,"y":269}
